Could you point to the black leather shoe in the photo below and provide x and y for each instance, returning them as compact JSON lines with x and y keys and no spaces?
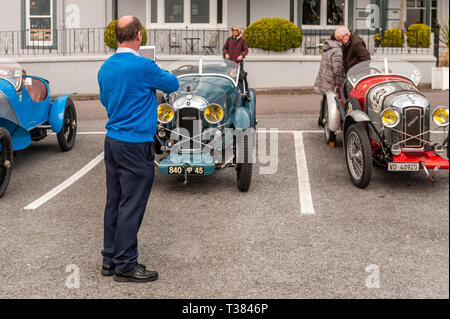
{"x":138,"y":274}
{"x":108,"y":270}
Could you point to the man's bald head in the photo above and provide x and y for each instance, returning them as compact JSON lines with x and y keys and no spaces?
{"x":127,"y":29}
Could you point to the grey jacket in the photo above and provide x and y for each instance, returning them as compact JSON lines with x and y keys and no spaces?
{"x":331,"y":72}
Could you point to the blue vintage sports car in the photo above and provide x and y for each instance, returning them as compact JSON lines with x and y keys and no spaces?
{"x":208,"y":124}
{"x":27,"y":113}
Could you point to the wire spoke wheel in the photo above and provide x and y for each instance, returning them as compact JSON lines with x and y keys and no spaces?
{"x":6,"y":159}
{"x":358,"y":155}
{"x":68,"y":133}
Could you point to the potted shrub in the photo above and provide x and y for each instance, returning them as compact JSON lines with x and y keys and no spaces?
{"x":440,"y":74}
{"x":419,"y":36}
{"x":273,"y":34}
{"x":393,"y":38}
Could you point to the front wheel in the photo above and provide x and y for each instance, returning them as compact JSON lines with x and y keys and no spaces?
{"x":244,"y":166}
{"x":68,"y":133}
{"x":358,"y":155}
{"x":6,"y":160}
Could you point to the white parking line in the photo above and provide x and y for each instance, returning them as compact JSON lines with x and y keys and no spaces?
{"x":58,"y":189}
{"x":259,"y":131}
{"x":306,"y":204}
{"x":304,"y":188}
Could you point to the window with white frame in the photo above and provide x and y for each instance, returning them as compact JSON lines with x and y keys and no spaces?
{"x":416,"y":11}
{"x":323,"y":12}
{"x":39,"y":22}
{"x":174,"y":11}
{"x":183,"y":13}
{"x":199,"y":11}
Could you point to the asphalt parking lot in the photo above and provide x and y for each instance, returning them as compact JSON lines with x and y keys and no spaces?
{"x":208,"y":240}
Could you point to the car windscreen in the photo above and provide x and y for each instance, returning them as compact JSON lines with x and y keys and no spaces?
{"x":11,"y":71}
{"x":384,"y":68}
{"x":208,"y":66}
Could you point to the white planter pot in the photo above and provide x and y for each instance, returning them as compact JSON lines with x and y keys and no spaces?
{"x":439,"y":79}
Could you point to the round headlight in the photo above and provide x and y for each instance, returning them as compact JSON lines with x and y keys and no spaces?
{"x":165,"y":113}
{"x":440,"y":116}
{"x":213,"y":113}
{"x":390,"y":118}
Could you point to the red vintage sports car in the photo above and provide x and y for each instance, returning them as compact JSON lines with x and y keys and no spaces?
{"x":385,"y":120}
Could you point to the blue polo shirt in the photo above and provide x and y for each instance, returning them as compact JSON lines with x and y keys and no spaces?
{"x":128,"y":85}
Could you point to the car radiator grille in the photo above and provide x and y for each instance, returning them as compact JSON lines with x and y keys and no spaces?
{"x":188,"y":117}
{"x":413,"y":126}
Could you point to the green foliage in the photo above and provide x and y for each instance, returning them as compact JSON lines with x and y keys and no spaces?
{"x":377,"y":38}
{"x":273,"y":34}
{"x":110,"y":35}
{"x":443,"y":37}
{"x":393,"y":38}
{"x":419,"y":36}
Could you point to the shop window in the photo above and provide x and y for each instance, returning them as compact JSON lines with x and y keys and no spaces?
{"x":39,"y":22}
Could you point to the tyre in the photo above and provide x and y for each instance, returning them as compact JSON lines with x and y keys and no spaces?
{"x":358,"y":155}
{"x":68,"y":133}
{"x":244,"y":169}
{"x":6,"y":160}
{"x":330,"y":137}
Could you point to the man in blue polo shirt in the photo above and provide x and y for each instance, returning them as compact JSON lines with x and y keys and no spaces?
{"x":128,"y":85}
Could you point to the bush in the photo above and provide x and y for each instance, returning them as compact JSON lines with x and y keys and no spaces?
{"x":110,"y":35}
{"x":377,"y":38}
{"x":419,"y":36}
{"x":393,"y":38}
{"x":273,"y":34}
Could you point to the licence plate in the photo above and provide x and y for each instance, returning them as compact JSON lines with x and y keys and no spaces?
{"x":403,"y":167}
{"x":179,"y":170}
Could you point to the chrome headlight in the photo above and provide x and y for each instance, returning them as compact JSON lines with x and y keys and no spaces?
{"x":213,"y":113}
{"x":440,"y":115}
{"x":390,"y":118}
{"x":165,"y":113}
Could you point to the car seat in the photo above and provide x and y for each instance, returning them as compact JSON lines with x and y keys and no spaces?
{"x":37,"y":90}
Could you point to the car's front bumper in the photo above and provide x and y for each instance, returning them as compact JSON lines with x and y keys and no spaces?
{"x":429,"y":159}
{"x":189,"y":160}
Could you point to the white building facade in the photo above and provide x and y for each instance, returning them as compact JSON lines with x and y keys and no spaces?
{"x":62,"y":38}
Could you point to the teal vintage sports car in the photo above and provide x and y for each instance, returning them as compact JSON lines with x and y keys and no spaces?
{"x":208,"y":124}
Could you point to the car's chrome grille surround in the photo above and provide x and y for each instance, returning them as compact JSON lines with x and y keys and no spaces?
{"x":187,"y":118}
{"x":413,"y":126}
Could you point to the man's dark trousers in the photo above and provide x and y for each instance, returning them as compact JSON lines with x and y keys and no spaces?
{"x":129,"y":178}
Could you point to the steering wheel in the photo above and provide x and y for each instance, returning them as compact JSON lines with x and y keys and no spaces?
{"x":375,"y":69}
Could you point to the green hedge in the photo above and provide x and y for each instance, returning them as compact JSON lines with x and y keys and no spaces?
{"x":110,"y":35}
{"x":393,"y":38}
{"x":273,"y":34}
{"x":419,"y":36}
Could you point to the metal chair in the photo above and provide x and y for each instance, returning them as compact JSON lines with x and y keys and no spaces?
{"x":212,"y":45}
{"x":174,"y":41}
